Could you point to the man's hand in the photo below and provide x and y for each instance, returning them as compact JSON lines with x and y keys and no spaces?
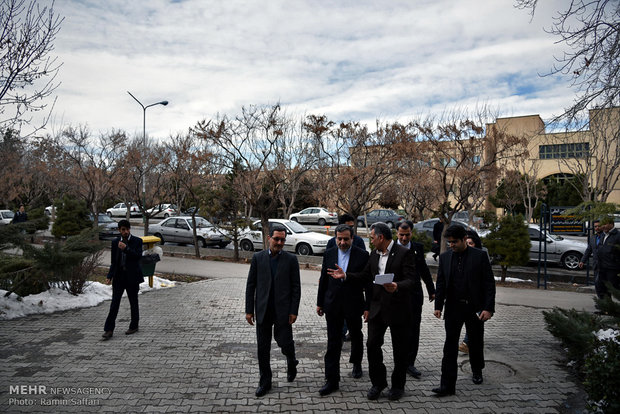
{"x":390,"y":287}
{"x":292,"y":319}
{"x":431,"y":297}
{"x":437,"y":314}
{"x":250,"y":318}
{"x":108,"y":281}
{"x":122,"y":245}
{"x":366,"y":316}
{"x":485,"y":315}
{"x":337,"y":273}
{"x":319,"y":311}
{"x":581,"y":265}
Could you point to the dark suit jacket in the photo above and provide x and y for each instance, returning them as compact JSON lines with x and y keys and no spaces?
{"x":422,"y":269}
{"x":592,"y":250}
{"x":133,"y":254}
{"x":346,"y":297}
{"x":357,"y":241}
{"x":608,"y":253}
{"x":393,"y":308}
{"x":480,"y":280}
{"x":286,"y":288}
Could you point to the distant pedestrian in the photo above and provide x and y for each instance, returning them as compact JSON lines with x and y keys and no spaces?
{"x":608,"y":257}
{"x":594,"y":241}
{"x":20,"y":216}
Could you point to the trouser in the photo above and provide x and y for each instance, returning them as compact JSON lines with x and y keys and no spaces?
{"x":283,"y":334}
{"x":417,"y":300}
{"x":335,"y":322}
{"x":376,"y":369}
{"x":119,"y":285}
{"x":457,"y":315}
{"x":604,"y":276}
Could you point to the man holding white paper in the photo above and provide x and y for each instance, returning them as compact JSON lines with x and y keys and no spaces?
{"x":389,"y":307}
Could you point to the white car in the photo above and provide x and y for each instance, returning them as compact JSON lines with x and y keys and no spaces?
{"x":6,"y":216}
{"x":566,"y":252}
{"x":298,"y":239}
{"x":315,"y":215}
{"x":162,"y":210}
{"x":120,"y":210}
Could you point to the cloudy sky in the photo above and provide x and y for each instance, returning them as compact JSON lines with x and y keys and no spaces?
{"x":350,"y":60}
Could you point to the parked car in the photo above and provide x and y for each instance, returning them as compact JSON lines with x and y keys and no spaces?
{"x":6,"y":216}
{"x":464,"y":217}
{"x":108,"y":228}
{"x":298,"y":239}
{"x":566,"y":252}
{"x":179,"y":230}
{"x":162,"y":210}
{"x":389,"y":217}
{"x":315,"y":215}
{"x":120,"y":210}
{"x":426,"y":226}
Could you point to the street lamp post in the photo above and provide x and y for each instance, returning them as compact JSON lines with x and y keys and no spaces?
{"x":144,"y":139}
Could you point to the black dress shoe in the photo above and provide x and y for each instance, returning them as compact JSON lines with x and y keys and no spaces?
{"x":328,"y":388}
{"x":477,"y":378}
{"x":395,"y":394}
{"x":442,"y":391}
{"x":131,"y":331}
{"x":413,"y":371}
{"x":262,"y":390}
{"x":357,"y":371}
{"x":107,"y":335}
{"x":374,"y":392}
{"x":292,"y":371}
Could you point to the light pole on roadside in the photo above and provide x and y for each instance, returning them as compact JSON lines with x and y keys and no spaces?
{"x":144,"y":139}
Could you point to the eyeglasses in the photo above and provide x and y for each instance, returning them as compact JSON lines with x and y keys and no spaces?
{"x":278,"y":239}
{"x":451,"y":242}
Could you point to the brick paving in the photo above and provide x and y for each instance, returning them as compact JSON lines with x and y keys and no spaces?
{"x":195,"y":353}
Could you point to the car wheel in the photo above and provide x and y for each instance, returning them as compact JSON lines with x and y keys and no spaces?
{"x":571,"y":260}
{"x":321,"y":222}
{"x":360,"y":223}
{"x":201,"y":242}
{"x":304,"y":249}
{"x":109,"y":213}
{"x":294,"y":219}
{"x":246,"y":245}
{"x":161,"y":238}
{"x":390,"y":224}
{"x":166,"y":215}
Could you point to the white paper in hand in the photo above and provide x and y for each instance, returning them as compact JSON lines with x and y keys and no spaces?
{"x":383,"y":279}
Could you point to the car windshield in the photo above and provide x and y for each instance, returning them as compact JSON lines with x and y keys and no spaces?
{"x":104,"y":218}
{"x":200,"y":222}
{"x":8,"y":214}
{"x":296,"y":227}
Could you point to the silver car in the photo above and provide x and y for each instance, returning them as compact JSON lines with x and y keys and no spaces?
{"x":179,"y":230}
{"x":566,"y":252}
{"x":315,"y":215}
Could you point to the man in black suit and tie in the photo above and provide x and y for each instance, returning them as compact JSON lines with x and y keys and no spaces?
{"x":272,"y":296}
{"x":342,"y":300}
{"x":417,"y":295}
{"x":125,"y":275}
{"x":593,"y":242}
{"x":608,"y":258}
{"x":390,"y":307}
{"x":465,"y":284}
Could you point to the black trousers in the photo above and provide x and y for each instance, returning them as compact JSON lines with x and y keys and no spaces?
{"x":376,"y":368}
{"x":604,"y":276}
{"x":335,"y":322}
{"x":459,"y":314}
{"x":417,"y":301}
{"x":119,"y":285}
{"x":283,"y":334}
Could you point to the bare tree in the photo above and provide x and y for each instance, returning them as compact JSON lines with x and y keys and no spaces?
{"x":590,"y":30}
{"x":27,"y":67}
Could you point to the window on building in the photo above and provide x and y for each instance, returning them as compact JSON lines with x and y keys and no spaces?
{"x":555,"y":151}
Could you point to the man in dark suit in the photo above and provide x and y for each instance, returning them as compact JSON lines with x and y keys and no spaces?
{"x":350,"y":221}
{"x":342,"y":300}
{"x":417,"y":296}
{"x":593,"y":242}
{"x":390,"y":307}
{"x":125,"y":275}
{"x":608,"y":257}
{"x":465,"y":284}
{"x":272,"y":296}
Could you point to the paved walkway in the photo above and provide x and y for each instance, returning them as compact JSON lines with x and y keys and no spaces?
{"x":195,"y":353}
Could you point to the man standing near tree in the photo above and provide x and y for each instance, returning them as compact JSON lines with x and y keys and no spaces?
{"x":608,"y":257}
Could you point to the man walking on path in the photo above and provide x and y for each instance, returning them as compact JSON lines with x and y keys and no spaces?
{"x":272,"y":296}
{"x":593,"y":242}
{"x":608,"y":257}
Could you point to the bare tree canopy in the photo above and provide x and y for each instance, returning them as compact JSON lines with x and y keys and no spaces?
{"x":27,"y":68}
{"x":590,"y":30}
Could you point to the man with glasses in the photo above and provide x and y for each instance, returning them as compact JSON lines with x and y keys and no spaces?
{"x":390,"y":307}
{"x":466,"y":286}
{"x":272,"y":296}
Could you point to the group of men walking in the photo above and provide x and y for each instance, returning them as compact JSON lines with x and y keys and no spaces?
{"x":384,"y":289}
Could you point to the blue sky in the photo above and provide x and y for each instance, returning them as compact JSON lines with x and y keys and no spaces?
{"x":350,"y":60}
